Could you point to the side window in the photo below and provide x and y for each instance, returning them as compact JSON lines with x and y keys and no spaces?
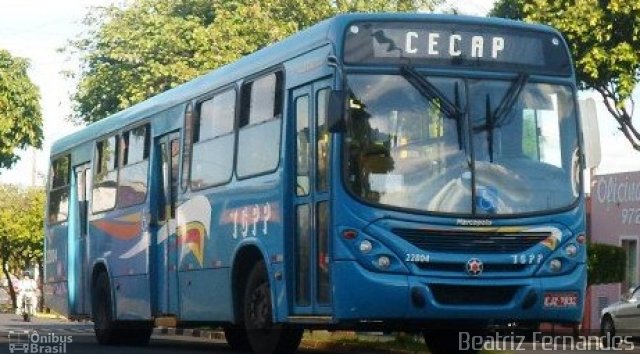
{"x":260,"y":122}
{"x":323,"y":141}
{"x":187,"y":145}
{"x":132,"y":181}
{"x":541,"y":133}
{"x":213,"y":141}
{"x":59,"y":190}
{"x":303,"y":147}
{"x":105,"y":175}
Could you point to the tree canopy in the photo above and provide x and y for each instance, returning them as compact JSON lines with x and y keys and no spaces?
{"x":604,"y":39}
{"x":21,"y":230}
{"x":20,"y":115}
{"x":134,"y":52}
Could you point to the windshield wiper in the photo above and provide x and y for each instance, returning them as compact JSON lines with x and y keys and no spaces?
{"x":430,"y":91}
{"x":427,"y":89}
{"x":496,"y":118}
{"x":508,"y":100}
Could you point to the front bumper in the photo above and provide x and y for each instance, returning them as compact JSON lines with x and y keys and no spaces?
{"x":363,"y":295}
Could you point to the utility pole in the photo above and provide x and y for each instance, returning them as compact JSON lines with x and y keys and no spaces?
{"x":33,"y":167}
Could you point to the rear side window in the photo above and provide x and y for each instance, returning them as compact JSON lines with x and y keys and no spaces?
{"x":105,"y":175}
{"x":214,"y":141}
{"x":260,"y":122}
{"x":132,"y":180}
{"x":58,"y":210}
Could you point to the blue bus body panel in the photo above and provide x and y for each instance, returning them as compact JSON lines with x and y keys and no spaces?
{"x":213,"y":225}
{"x":245,"y":211}
{"x":56,"y":290}
{"x":328,"y":31}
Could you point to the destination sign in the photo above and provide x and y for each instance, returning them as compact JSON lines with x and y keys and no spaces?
{"x":462,"y":45}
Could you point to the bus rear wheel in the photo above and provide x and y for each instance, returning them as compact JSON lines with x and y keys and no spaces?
{"x":265,"y":336}
{"x":103,"y":323}
{"x":107,"y":330}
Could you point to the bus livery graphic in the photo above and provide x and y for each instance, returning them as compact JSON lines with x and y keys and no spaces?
{"x":375,"y":171}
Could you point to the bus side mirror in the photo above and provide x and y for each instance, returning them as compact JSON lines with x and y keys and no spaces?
{"x":336,"y":111}
{"x":590,"y":132}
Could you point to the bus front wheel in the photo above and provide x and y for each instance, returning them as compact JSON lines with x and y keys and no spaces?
{"x":447,"y":342}
{"x":265,"y":336}
{"x":236,"y":337}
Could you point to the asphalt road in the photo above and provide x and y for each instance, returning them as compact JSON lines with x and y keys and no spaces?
{"x":80,"y":340}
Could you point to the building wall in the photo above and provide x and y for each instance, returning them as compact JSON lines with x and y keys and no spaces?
{"x":615,"y":215}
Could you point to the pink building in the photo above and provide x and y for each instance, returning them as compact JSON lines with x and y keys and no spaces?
{"x":615,"y":220}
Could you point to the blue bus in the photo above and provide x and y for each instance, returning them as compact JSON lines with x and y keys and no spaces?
{"x":376,"y":171}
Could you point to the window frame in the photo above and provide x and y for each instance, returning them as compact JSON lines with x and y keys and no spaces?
{"x":95,"y":171}
{"x":195,"y":111}
{"x":310,"y":142}
{"x":121,"y":164}
{"x":281,"y":77}
{"x":51,"y":189}
{"x":322,"y":189}
{"x":124,"y":148}
{"x":189,"y":118}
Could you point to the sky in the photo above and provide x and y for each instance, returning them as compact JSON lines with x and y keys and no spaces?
{"x":36,"y":30}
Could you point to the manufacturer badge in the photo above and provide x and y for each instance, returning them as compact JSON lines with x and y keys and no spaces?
{"x":475,"y":267}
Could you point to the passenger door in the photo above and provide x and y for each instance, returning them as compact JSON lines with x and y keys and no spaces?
{"x":167,"y":153}
{"x":81,"y":184}
{"x":312,"y":284}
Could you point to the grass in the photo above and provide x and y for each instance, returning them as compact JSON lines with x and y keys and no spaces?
{"x":350,"y":342}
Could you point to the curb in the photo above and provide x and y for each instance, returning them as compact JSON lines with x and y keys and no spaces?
{"x":186,"y":332}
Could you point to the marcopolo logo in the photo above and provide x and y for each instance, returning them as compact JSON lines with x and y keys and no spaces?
{"x":34,"y":343}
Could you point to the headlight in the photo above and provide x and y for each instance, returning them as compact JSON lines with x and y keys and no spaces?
{"x":571,"y":250}
{"x":366,"y":246}
{"x":384,"y":262}
{"x":555,"y":265}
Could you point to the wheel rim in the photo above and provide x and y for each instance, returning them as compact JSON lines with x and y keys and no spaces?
{"x":260,"y":308}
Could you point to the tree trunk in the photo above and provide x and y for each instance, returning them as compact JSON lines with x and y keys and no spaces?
{"x":12,"y":292}
{"x":41,"y":286}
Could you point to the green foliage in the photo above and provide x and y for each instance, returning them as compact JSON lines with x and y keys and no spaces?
{"x":21,"y":228}
{"x":606,"y":264}
{"x":512,"y":9}
{"x":20,"y":116}
{"x":604,"y":38}
{"x":132,"y":53}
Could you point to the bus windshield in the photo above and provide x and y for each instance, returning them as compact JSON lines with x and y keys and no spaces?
{"x":405,"y":150}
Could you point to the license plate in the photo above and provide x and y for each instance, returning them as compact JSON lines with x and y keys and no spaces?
{"x":560,"y":299}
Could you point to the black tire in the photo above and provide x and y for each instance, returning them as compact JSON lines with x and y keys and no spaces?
{"x":264,"y":336}
{"x":107,"y":330}
{"x":26,"y":317}
{"x":608,"y":333}
{"x":236,"y":336}
{"x":447,"y":341}
{"x":103,"y":324}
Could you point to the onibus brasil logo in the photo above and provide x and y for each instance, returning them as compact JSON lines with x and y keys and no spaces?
{"x":31,"y":342}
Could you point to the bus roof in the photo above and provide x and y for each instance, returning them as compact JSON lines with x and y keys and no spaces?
{"x":320,"y":34}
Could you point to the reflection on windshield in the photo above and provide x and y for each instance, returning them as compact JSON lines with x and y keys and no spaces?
{"x":528,"y":162}
{"x":403,"y":151}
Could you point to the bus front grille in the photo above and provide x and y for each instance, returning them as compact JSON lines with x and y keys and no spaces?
{"x":472,"y":295}
{"x":456,"y":241}
{"x":462,"y":267}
